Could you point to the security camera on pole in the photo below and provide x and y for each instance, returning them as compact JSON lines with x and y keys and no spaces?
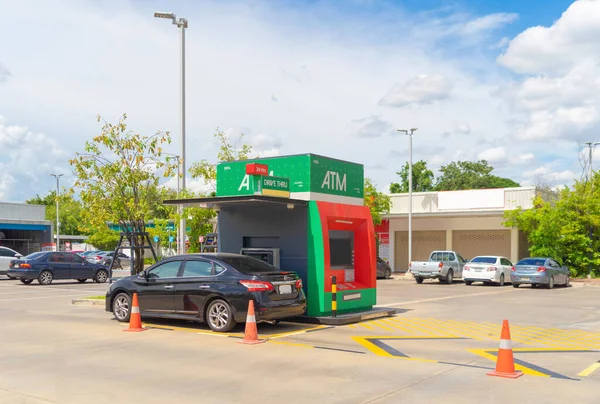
{"x":182,"y":24}
{"x":409,"y":132}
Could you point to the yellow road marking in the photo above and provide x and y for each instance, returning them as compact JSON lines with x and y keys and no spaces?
{"x":589,"y":370}
{"x":291,"y":344}
{"x":485,"y":354}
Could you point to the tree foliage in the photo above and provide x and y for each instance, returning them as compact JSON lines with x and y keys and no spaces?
{"x":118,"y":175}
{"x":378,"y":202}
{"x":69,"y":214}
{"x":566,"y":228}
{"x":470,"y":175}
{"x":422,"y":178}
{"x":228,"y":151}
{"x":104,"y":239}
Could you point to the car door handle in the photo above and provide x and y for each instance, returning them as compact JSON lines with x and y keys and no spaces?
{"x":204,"y":286}
{"x":169,"y":287}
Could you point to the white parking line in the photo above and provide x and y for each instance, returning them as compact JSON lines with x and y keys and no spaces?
{"x":18,"y":299}
{"x":52,"y":288}
{"x":435,"y":299}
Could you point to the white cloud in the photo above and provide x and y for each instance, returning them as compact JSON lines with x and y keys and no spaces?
{"x":501,"y":43}
{"x":525,"y":158}
{"x":370,"y":127}
{"x":4,"y":73}
{"x":423,"y":89}
{"x":493,"y":155}
{"x":488,"y":23}
{"x":462,"y":128}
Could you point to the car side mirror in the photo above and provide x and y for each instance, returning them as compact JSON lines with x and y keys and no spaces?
{"x":17,"y":255}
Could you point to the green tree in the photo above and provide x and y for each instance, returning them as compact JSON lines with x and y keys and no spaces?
{"x":117,"y":175}
{"x":228,"y":151}
{"x":566,"y":228}
{"x":470,"y":175}
{"x":69,"y":214}
{"x":422,"y":178}
{"x":378,"y":202}
{"x":104,"y":239}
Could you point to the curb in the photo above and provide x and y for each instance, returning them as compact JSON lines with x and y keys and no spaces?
{"x":88,"y":302}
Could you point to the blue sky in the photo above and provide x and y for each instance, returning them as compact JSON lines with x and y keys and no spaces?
{"x":514,"y":82}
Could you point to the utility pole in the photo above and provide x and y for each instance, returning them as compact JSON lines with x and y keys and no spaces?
{"x":57,"y":176}
{"x":182,"y":24}
{"x":590,"y":175}
{"x":409,"y":132}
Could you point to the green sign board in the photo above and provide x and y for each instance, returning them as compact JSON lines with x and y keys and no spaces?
{"x":275,"y":186}
{"x":310,"y":177}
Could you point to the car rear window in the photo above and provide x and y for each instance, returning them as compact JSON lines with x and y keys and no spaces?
{"x":532,"y":261}
{"x":249,"y":265}
{"x":34,"y":256}
{"x":484,"y":260}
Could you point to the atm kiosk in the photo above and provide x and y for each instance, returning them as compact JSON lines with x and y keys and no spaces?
{"x":302,"y":213}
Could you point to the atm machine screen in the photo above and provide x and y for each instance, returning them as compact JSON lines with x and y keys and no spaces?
{"x":263,"y":256}
{"x":341,"y":252}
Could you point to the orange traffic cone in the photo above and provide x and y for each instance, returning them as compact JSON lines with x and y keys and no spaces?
{"x":135,"y":320}
{"x":505,"y":365}
{"x":251,"y":333}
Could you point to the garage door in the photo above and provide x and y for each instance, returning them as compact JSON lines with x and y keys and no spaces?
{"x":481,"y":242}
{"x":424,"y":242}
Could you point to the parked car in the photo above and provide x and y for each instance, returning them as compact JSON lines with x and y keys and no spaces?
{"x":488,"y":269}
{"x":444,"y":266}
{"x":104,"y":258}
{"x":540,"y":271}
{"x":6,"y":256}
{"x":383,"y":269}
{"x":86,"y":254}
{"x":210,"y":287}
{"x":47,"y":265}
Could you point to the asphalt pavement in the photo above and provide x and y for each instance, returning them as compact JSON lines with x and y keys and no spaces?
{"x":437,"y":349}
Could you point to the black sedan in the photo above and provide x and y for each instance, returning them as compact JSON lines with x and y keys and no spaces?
{"x":47,"y":266}
{"x":211,"y":287}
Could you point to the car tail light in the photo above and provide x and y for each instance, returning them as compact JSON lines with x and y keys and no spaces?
{"x":440,"y":265}
{"x":541,"y":269}
{"x":25,"y":266}
{"x":466,"y":268}
{"x":410,"y":265}
{"x":512,"y":269}
{"x":492,"y":269}
{"x":257,"y":286}
{"x":298,"y":284}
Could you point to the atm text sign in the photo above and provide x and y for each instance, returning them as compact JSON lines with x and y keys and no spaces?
{"x":275,"y":186}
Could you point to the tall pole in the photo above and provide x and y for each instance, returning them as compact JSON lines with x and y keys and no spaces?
{"x":57,"y":176}
{"x":409,"y":132}
{"x":590,"y":174}
{"x":182,"y":24}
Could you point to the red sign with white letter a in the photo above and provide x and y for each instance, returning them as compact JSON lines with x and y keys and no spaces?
{"x":257,"y":169}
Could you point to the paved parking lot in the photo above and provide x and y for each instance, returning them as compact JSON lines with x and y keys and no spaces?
{"x":437,"y":348}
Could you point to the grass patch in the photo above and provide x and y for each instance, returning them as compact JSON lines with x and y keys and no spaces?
{"x":96,"y":297}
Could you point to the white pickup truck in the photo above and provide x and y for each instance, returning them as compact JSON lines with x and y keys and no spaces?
{"x":444,"y":266}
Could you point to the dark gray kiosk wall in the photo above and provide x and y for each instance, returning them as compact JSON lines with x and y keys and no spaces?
{"x":271,"y":226}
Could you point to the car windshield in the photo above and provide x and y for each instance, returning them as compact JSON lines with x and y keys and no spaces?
{"x":34,"y":256}
{"x":484,"y":260}
{"x":249,"y":265}
{"x":532,"y":261}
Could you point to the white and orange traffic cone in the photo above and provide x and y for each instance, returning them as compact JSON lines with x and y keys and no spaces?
{"x":135,"y":319}
{"x":505,"y":365}
{"x":251,"y":332}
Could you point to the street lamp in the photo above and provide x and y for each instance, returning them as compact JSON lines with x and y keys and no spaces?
{"x":178,"y":190}
{"x":409,"y":132}
{"x":182,"y":24}
{"x":57,"y":176}
{"x":591,"y":150}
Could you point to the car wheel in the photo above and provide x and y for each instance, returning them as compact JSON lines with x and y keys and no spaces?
{"x":388,"y":274}
{"x":45,"y":278}
{"x":450,"y":277}
{"x":219,"y":316}
{"x":101,"y":276}
{"x":468,"y":283}
{"x":26,"y":281}
{"x":81,"y":280}
{"x":515,"y":285}
{"x":121,"y":307}
{"x":419,"y":280}
{"x":568,"y":281}
{"x":551,"y":283}
{"x":534,"y":285}
{"x":501,"y":283}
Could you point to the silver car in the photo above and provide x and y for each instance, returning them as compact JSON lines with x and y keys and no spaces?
{"x":539,"y":271}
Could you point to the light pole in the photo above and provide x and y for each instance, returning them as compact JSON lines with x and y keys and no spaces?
{"x":591,"y":147}
{"x":178,"y":206}
{"x":57,"y":176}
{"x":409,"y":132}
{"x":182,"y":24}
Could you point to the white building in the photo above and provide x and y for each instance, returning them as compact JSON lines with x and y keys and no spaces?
{"x":469,"y":222}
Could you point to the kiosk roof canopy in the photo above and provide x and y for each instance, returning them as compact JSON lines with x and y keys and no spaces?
{"x":247,"y":200}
